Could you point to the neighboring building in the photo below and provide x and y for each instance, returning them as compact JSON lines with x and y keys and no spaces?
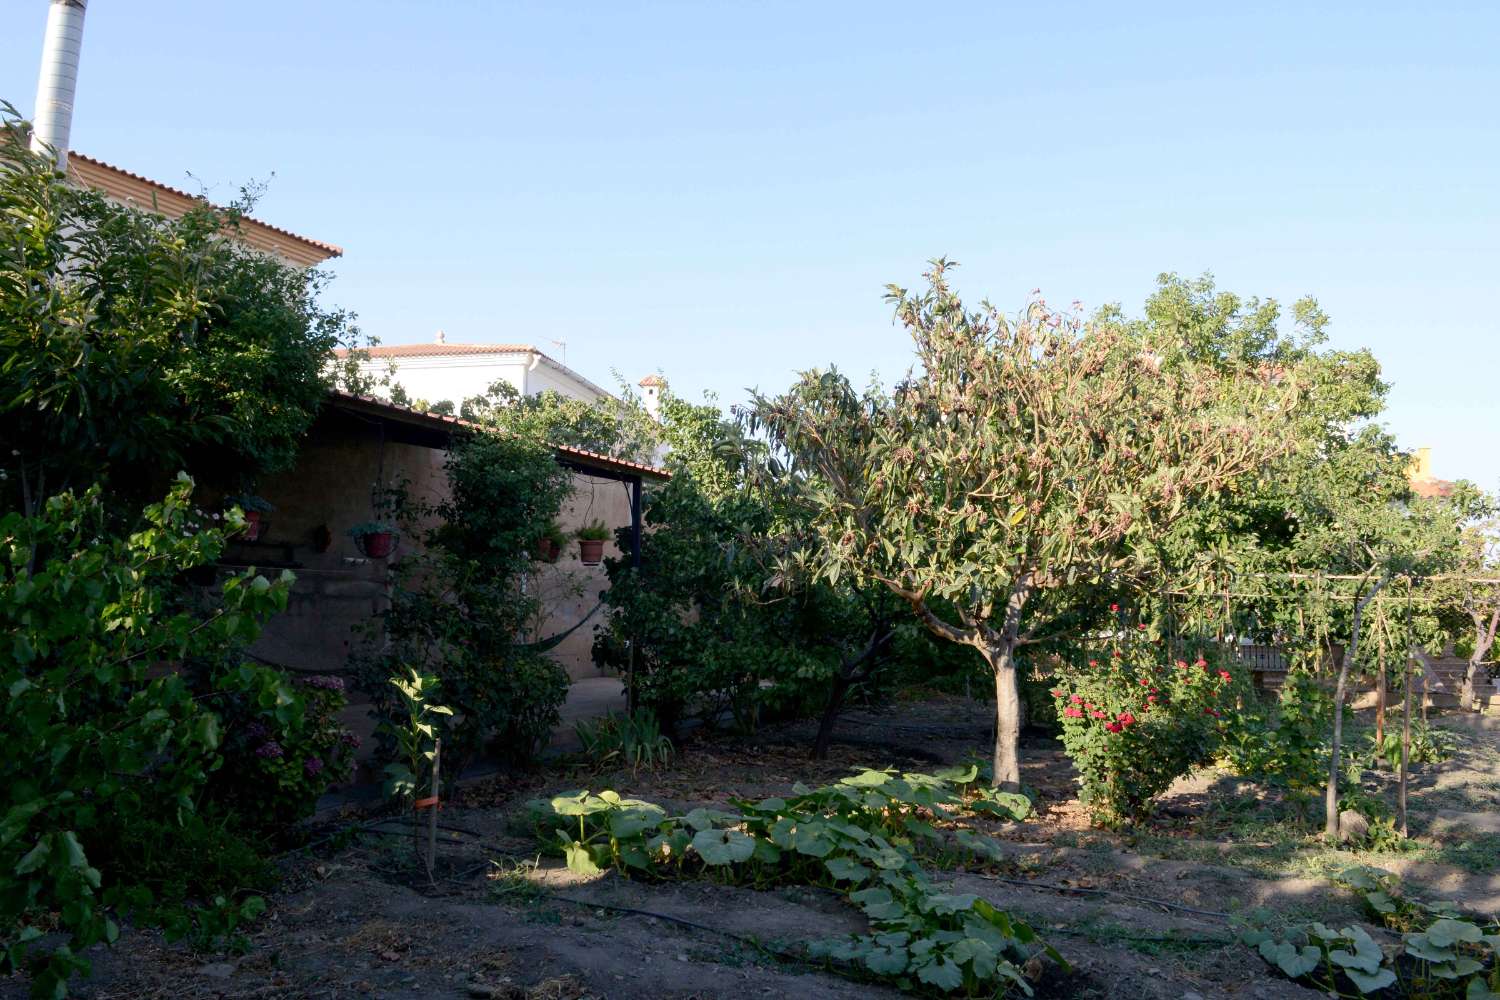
{"x":1423,"y":482}
{"x":652,"y":388}
{"x":443,"y":372}
{"x":127,"y":188}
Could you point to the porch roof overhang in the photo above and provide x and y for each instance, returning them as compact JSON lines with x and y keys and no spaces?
{"x":435,"y":430}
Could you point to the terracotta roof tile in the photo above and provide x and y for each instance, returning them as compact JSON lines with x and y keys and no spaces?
{"x":327,"y":248}
{"x":441,"y":350}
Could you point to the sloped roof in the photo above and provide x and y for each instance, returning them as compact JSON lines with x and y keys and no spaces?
{"x":146,"y":193}
{"x":442,"y":422}
{"x":441,"y":350}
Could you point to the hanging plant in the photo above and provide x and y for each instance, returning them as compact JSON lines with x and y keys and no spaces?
{"x":549,"y":546}
{"x":255,"y":508}
{"x":375,"y":539}
{"x":591,"y":538}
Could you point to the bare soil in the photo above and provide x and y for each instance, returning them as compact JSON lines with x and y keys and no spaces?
{"x":354,"y":917}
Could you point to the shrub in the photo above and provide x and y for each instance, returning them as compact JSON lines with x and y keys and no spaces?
{"x":634,"y":740}
{"x":96,"y":740}
{"x":459,"y":612}
{"x":283,"y":745}
{"x":1290,"y":746}
{"x":1133,"y":721}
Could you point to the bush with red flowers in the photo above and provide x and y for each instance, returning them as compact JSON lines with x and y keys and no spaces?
{"x":1134,"y":721}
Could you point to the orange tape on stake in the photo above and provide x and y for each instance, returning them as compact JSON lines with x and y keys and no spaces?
{"x":430,"y":803}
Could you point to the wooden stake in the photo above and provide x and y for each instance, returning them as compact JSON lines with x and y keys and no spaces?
{"x":1405,"y":740}
{"x":1380,"y":707}
{"x":432,"y":815}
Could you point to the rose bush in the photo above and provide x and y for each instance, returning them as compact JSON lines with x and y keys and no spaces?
{"x":1135,"y":720}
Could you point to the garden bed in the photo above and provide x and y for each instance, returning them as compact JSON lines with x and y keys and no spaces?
{"x":1139,"y":915}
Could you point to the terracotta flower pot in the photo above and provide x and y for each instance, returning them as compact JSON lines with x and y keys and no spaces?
{"x":591,"y":551}
{"x":377,"y":544}
{"x":546,"y":550}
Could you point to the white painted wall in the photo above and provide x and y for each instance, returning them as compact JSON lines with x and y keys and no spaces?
{"x":457,"y":377}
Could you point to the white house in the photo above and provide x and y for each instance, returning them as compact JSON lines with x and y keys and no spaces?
{"x":442,"y":371}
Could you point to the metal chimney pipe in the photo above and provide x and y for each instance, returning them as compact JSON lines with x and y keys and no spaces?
{"x":58,"y":79}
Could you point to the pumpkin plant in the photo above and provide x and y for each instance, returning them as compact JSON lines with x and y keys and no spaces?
{"x":861,"y":836}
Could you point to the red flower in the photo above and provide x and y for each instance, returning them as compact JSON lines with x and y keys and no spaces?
{"x":1145,"y":683}
{"x":1093,"y":663}
{"x":1211,"y":711}
{"x":1072,"y":712}
{"x":1125,"y":718}
{"x":1115,"y":654}
{"x":1151,"y":700}
{"x":1114,"y":607}
{"x":1077,"y":699}
{"x":1098,"y":714}
{"x":1226,"y":675}
{"x":1201,"y":662}
{"x":1141,"y":627}
{"x":1057,"y":694}
{"x":1182,"y":664}
{"x":1114,"y":727}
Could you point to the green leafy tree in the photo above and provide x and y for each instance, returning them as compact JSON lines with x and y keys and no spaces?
{"x":97,"y":741}
{"x":132,"y":345}
{"x":619,"y":427}
{"x":1015,"y":473}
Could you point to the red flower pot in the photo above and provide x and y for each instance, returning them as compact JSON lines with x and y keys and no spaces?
{"x":378,"y":544}
{"x":546,"y":550}
{"x":252,"y":526}
{"x":591,"y":551}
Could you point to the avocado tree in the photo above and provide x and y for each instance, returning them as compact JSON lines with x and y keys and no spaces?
{"x":1012,"y":478}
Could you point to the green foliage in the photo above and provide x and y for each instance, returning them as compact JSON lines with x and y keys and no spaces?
{"x":635,"y":740}
{"x":859,"y":836}
{"x":1289,"y":748}
{"x":199,"y":879}
{"x":694,"y":626}
{"x":96,"y":739}
{"x":414,"y":736}
{"x":1134,"y":721}
{"x":458,"y":610}
{"x":610,"y":425}
{"x":282,"y":748}
{"x":1442,"y":954}
{"x":1025,"y":469}
{"x":132,"y":345}
{"x":1429,"y":745}
{"x":594,"y":531}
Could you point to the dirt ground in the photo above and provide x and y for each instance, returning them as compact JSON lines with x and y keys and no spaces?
{"x":353,"y":919}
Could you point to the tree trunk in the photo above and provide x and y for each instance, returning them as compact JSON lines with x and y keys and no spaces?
{"x":841,"y":685}
{"x":1331,"y":797}
{"x":1007,"y":773}
{"x":1484,"y":638}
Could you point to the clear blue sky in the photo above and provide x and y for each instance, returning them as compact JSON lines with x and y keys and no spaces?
{"x":721,"y":191}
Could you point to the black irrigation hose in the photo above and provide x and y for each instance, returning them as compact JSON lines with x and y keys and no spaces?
{"x":780,"y":954}
{"x":1107,"y":892}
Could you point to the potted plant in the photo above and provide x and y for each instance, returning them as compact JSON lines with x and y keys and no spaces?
{"x":255,"y":508}
{"x":591,"y":539}
{"x":376,"y":539}
{"x":549,"y":546}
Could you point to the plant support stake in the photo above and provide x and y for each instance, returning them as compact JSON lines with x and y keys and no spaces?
{"x":432,"y":816}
